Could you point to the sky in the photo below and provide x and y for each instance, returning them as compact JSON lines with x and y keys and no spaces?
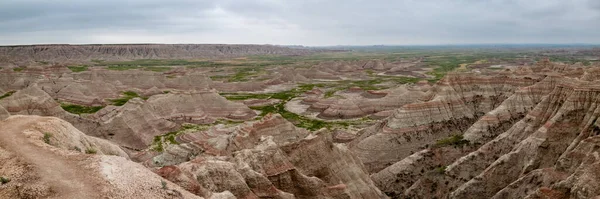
{"x":300,"y":22}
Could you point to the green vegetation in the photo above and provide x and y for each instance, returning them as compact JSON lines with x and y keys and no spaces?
{"x":445,"y":64}
{"x":76,"y":69}
{"x":159,"y":62}
{"x":308,"y":87}
{"x":160,"y":141}
{"x":7,"y":94}
{"x":244,"y":96}
{"x":158,"y":68}
{"x":90,"y":151}
{"x":78,"y":109}
{"x":440,"y":170}
{"x":285,"y":96}
{"x":454,"y":140}
{"x":158,"y":146}
{"x":122,"y":68}
{"x":330,"y":93}
{"x":298,"y":120}
{"x":219,"y":77}
{"x":242,"y":74}
{"x":364,"y":84}
{"x":47,"y":137}
{"x":19,"y":69}
{"x":127,"y":95}
{"x":568,"y":59}
{"x":130,"y":67}
{"x":4,"y":180}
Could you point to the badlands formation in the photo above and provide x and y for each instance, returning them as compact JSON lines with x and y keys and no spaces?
{"x":223,"y":121}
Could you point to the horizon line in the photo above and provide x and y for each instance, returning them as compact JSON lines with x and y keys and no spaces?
{"x":301,"y":45}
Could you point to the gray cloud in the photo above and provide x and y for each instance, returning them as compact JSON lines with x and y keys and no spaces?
{"x":308,"y":22}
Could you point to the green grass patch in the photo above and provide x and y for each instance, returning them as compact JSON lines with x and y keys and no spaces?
{"x":308,"y":87}
{"x":404,"y":80}
{"x":371,"y":84}
{"x":127,"y":95}
{"x":122,"y":68}
{"x":77,"y":69}
{"x":245,"y":96}
{"x":19,"y":69}
{"x":219,"y":77}
{"x":78,"y":109}
{"x":370,"y":72}
{"x":7,"y":94}
{"x":161,"y":141}
{"x":158,"y":68}
{"x":243,"y":74}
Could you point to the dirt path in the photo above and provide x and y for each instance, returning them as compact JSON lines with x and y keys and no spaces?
{"x":63,"y":174}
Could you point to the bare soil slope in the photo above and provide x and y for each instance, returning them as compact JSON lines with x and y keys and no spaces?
{"x":53,"y":172}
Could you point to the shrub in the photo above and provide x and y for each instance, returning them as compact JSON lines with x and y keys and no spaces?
{"x":454,"y":140}
{"x":7,"y":94}
{"x":440,"y":170}
{"x":47,"y":137}
{"x":90,"y":151}
{"x":4,"y":180}
{"x":164,"y":184}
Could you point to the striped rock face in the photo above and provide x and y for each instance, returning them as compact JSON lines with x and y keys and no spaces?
{"x":266,"y":158}
{"x":312,"y":167}
{"x":137,"y":122}
{"x":530,"y":137}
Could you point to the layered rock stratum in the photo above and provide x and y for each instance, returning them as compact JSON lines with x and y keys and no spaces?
{"x":64,"y":53}
{"x":518,"y":143}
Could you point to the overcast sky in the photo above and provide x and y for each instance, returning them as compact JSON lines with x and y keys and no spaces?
{"x":302,"y":22}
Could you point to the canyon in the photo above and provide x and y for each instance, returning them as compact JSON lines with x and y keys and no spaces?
{"x":262,"y":121}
